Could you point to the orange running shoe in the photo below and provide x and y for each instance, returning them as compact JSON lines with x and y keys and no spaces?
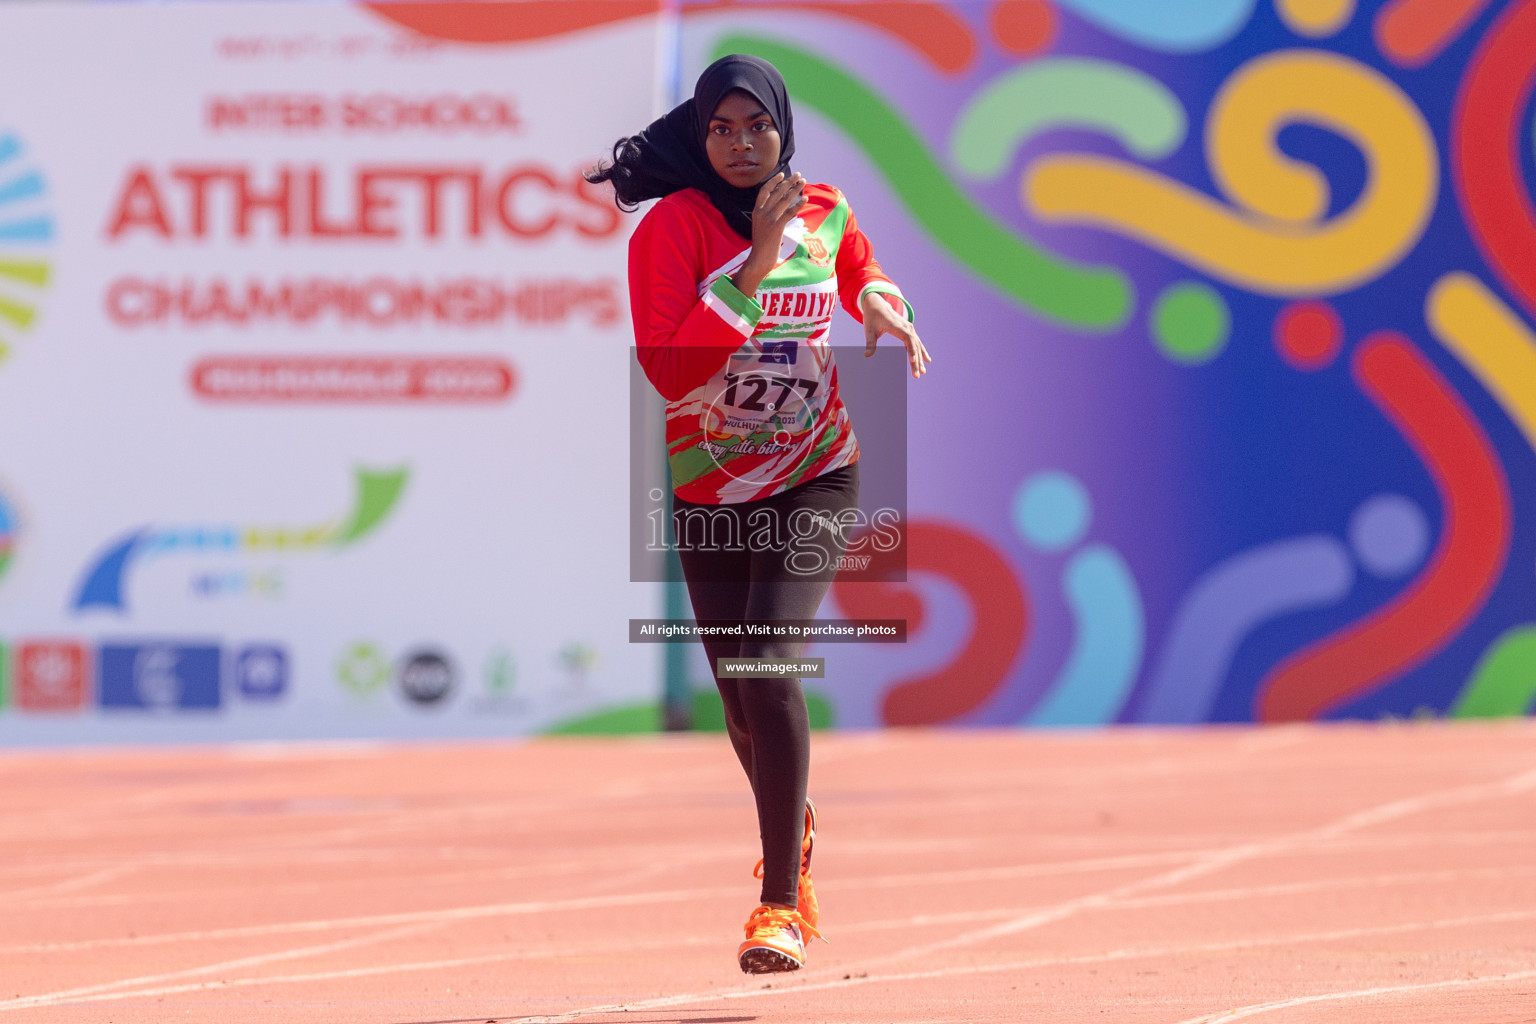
{"x":775,"y":941}
{"x":805,"y":890}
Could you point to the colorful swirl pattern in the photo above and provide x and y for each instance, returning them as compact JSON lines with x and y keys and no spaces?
{"x":1474,"y":542}
{"x":1239,"y":192}
{"x":1134,"y":108}
{"x":1490,"y":115}
{"x":25,"y":226}
{"x":1088,"y":298}
{"x":1274,"y":239}
{"x":986,"y":655}
{"x":8,"y":530}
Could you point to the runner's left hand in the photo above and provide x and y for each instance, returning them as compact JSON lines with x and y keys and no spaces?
{"x":880,"y":318}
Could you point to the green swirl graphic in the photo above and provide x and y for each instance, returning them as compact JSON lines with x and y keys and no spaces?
{"x":1088,"y":298}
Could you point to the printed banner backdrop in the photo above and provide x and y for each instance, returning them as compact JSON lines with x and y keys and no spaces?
{"x":313,"y":398}
{"x":1233,"y":398}
{"x":1231,"y":415}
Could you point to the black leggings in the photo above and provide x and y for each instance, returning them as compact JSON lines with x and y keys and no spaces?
{"x":727,"y":580}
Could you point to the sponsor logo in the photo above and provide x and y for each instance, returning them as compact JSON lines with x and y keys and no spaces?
{"x":26,"y":227}
{"x":498,"y":695}
{"x":362,"y":670}
{"x":816,"y":249}
{"x":426,"y":677}
{"x":376,"y":494}
{"x":51,"y":675}
{"x":500,"y":673}
{"x":160,"y":676}
{"x":261,"y":672}
{"x":578,"y":659}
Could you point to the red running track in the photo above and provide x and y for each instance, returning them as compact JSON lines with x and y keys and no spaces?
{"x":1285,"y":874}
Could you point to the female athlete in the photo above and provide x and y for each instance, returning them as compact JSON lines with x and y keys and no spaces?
{"x":733,"y":276}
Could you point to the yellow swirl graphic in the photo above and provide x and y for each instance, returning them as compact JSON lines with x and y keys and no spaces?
{"x":1490,"y":340}
{"x":1315,"y":18}
{"x":1274,"y":239}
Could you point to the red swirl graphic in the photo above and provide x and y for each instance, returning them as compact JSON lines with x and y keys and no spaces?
{"x":1456,"y":581}
{"x":1023,"y":27}
{"x":508,"y":21}
{"x":998,"y":630}
{"x":932,"y":29}
{"x":1413,"y":32}
{"x":1487,"y":128}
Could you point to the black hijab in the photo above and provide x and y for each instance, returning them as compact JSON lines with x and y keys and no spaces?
{"x":672,"y":147}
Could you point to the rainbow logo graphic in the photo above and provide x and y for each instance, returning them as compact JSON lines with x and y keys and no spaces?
{"x":376,"y":495}
{"x":25,"y":224}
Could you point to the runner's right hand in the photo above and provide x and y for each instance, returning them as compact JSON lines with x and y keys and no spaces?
{"x":778,"y":202}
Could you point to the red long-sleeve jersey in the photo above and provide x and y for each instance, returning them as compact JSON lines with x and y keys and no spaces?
{"x":750,"y":381}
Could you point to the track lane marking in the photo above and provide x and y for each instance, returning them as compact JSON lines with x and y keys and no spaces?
{"x":77,"y":994}
{"x":961,"y":970}
{"x":1204,"y":864}
{"x":1208,"y":896}
{"x":1217,"y":860}
{"x":69,"y":884}
{"x":1359,"y":993}
{"x":597,"y":902}
{"x":554,"y":906}
{"x":758,"y":991}
{"x":348,"y":972}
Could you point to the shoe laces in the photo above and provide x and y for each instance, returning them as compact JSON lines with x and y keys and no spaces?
{"x":766,"y":918}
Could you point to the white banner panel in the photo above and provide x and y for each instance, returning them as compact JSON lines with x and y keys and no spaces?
{"x":313,"y":403}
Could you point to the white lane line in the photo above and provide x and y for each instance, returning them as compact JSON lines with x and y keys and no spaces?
{"x":679,"y":865}
{"x":1237,"y":945}
{"x":348,"y":972}
{"x":76,"y":994}
{"x":757,"y":990}
{"x":1359,"y":993}
{"x":68,"y":884}
{"x":1205,"y":863}
{"x":1173,"y":848}
{"x":1048,"y":868}
{"x":1217,"y":860}
{"x":1177,"y":899}
{"x":505,"y":909}
{"x":1205,"y":896}
{"x":694,"y":856}
{"x":378,"y":920}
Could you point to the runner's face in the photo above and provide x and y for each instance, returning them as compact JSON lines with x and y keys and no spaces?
{"x":743,"y":142}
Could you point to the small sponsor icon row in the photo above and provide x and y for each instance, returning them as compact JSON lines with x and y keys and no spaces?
{"x":57,"y":675}
{"x":424,"y":676}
